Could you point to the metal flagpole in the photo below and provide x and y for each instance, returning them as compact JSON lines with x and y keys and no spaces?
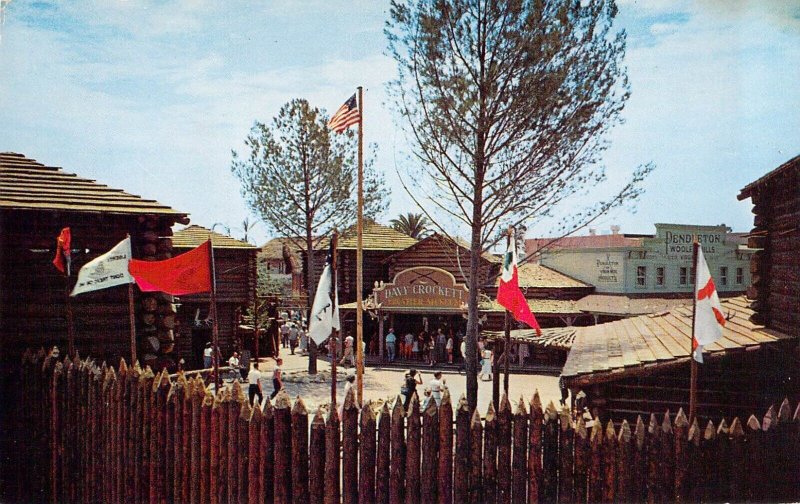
{"x":214,"y":322}
{"x":693,"y":374}
{"x":359,"y":250}
{"x":332,"y":340}
{"x":131,"y":317}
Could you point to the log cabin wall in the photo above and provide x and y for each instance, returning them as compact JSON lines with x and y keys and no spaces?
{"x":776,"y":267}
{"x":33,"y":292}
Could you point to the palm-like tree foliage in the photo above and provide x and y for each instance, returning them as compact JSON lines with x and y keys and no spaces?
{"x":413,"y":224}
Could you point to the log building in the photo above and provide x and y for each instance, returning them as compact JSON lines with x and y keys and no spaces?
{"x":36,"y":202}
{"x":235,"y":268}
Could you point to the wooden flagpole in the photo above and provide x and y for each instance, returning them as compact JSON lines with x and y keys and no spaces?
{"x":360,"y":251}
{"x":332,"y":340}
{"x":70,"y":322}
{"x":507,"y":328}
{"x":131,"y":316}
{"x":694,"y":369}
{"x":214,"y":322}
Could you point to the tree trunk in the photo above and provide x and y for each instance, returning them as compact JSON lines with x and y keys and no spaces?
{"x":311,"y":290}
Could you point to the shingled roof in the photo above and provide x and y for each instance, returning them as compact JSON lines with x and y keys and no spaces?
{"x":538,"y":276}
{"x":625,"y":347}
{"x":26,"y":184}
{"x":553,"y":337}
{"x":374,"y":237}
{"x":194,"y":236}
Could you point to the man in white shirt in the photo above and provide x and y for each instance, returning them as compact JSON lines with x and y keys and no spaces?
{"x":437,"y":386}
{"x":253,"y":378}
{"x":348,"y":351}
{"x":207,"y":354}
{"x":233,"y":362}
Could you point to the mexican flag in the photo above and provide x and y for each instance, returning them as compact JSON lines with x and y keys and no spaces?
{"x":509,"y":294}
{"x":708,"y":317}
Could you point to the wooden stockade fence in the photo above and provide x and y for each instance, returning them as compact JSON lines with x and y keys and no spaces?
{"x":90,"y":433}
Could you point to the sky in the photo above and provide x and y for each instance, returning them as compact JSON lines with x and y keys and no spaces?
{"x":151,"y":96}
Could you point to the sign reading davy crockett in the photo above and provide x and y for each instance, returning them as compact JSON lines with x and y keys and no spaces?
{"x":422,"y":287}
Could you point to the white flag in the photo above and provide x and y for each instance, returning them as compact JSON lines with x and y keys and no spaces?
{"x":323,"y":318}
{"x":108,"y":270}
{"x":708,"y":317}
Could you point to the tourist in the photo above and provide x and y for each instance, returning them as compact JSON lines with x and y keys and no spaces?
{"x":390,"y":342}
{"x":208,"y":352}
{"x":432,"y":351}
{"x":416,"y":346}
{"x":409,"y":345}
{"x":254,"y":388}
{"x":293,"y":335}
{"x":441,"y":343}
{"x":285,"y":334}
{"x":347,"y":355}
{"x":233,"y":362}
{"x":437,"y":386}
{"x":277,"y":380}
{"x":486,"y":365}
{"x":449,"y":347}
{"x":409,"y":388}
{"x":303,"y":336}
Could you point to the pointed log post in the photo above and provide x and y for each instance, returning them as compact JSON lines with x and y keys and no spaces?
{"x":367,"y":455}
{"x":566,"y":439}
{"x":519,"y":464}
{"x":397,"y":463}
{"x":785,"y":457}
{"x":198,"y":394}
{"x":476,"y":458}
{"x":550,"y":454}
{"x":653,"y":459}
{"x":737,"y":458}
{"x":445,"y":443}
{"x":770,"y":426}
{"x":255,"y":478}
{"x":299,"y":451}
{"x":694,"y":454}
{"x":266,"y":441}
{"x":535,"y":448}
{"x":234,"y":411}
{"x":582,"y":460}
{"x":490,"y":455}
{"x":667,"y":456}
{"x":383,"y":455}
{"x":609,"y":463}
{"x":316,"y":479}
{"x":413,"y":453}
{"x":430,"y":453}
{"x":243,"y":453}
{"x":754,"y":462}
{"x":169,"y":443}
{"x":595,"y":477}
{"x":177,"y":440}
{"x":187,"y":471}
{"x":624,"y":463}
{"x":282,"y":483}
{"x":224,"y":445}
{"x":108,"y":436}
{"x":332,"y":494}
{"x":681,"y":459}
{"x":722,"y":458}
{"x":639,"y":467}
{"x":504,"y":451}
{"x":146,"y":395}
{"x":157,"y":468}
{"x":350,"y":448}
{"x":214,"y":450}
{"x":462,"y":455}
{"x":205,"y":444}
{"x":708,"y":463}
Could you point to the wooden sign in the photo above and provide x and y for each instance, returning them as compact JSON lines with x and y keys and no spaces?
{"x":424,"y":288}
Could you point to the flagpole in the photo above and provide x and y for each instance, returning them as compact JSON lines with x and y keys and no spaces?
{"x":214,"y":321}
{"x":507,"y":328}
{"x":332,"y":340}
{"x":70,"y":323}
{"x":359,"y":250}
{"x":131,"y":317}
{"x":693,"y":373}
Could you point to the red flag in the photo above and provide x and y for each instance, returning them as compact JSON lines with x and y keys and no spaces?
{"x":189,"y":273}
{"x":509,"y":294}
{"x":62,"y":261}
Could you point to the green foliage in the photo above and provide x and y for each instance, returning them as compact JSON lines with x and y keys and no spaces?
{"x":414,"y":225}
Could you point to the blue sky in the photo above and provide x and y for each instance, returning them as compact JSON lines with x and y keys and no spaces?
{"x":151,"y":96}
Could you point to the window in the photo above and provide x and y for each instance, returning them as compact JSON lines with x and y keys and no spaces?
{"x":723,"y":275}
{"x":684,"y":276}
{"x":660,"y":276}
{"x":739,"y":276}
{"x":641,"y":276}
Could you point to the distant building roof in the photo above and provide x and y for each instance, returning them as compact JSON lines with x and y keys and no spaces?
{"x":194,"y":236}
{"x":447,"y":242}
{"x":560,"y":338}
{"x":609,"y":304}
{"x":788,"y":166}
{"x":374,"y":237}
{"x":537,"y":306}
{"x":618,"y":349}
{"x":26,"y":184}
{"x":538,"y":276}
{"x":580,"y":242}
{"x":273,"y":249}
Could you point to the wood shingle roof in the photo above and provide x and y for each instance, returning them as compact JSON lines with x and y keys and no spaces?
{"x":374,"y":237}
{"x":194,"y":236}
{"x":625,"y":347}
{"x":538,"y":276}
{"x":26,"y":184}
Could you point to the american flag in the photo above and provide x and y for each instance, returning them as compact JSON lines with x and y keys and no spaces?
{"x":346,"y":116}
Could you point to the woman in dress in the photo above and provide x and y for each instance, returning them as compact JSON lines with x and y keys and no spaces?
{"x":486,"y":365}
